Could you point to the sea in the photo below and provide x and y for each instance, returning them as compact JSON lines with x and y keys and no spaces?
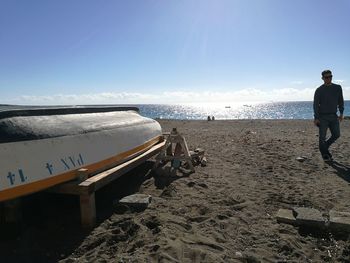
{"x":234,"y":111}
{"x":220,"y":111}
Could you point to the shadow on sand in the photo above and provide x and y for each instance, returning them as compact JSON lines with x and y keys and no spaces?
{"x":50,"y":227}
{"x":343,"y":171}
{"x":164,"y":176}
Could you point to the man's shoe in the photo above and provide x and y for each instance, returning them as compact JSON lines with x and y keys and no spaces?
{"x":330,"y":155}
{"x":327,"y":158}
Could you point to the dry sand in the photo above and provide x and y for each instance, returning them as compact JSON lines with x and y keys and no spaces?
{"x":225,"y":212}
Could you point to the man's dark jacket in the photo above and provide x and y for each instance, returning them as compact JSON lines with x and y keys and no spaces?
{"x":327,"y":100}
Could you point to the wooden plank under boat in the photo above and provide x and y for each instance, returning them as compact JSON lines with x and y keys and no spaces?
{"x":44,"y":146}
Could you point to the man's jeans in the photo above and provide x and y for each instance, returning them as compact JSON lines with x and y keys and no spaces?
{"x":328,"y":121}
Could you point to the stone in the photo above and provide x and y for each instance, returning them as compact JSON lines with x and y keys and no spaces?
{"x":242,"y":205}
{"x":339,"y":220}
{"x":169,"y":192}
{"x":204,"y":162}
{"x":197,"y":156}
{"x":199,"y":151}
{"x":251,"y":258}
{"x":309,"y":217}
{"x":301,"y":158}
{"x":140,"y":201}
{"x":286,"y":216}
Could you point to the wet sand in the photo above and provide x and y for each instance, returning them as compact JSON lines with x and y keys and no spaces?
{"x":225,"y":212}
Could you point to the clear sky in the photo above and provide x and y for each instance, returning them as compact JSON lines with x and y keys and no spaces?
{"x":170,"y":51}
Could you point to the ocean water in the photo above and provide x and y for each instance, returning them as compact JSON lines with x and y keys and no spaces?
{"x":273,"y":110}
{"x":229,"y":111}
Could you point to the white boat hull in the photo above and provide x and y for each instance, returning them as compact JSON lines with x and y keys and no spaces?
{"x":34,"y":165}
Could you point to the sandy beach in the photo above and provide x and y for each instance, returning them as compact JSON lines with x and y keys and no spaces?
{"x":224,"y":212}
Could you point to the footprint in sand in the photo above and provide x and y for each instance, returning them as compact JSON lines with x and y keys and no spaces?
{"x":222,"y":217}
{"x":169,"y":192}
{"x":152,"y":223}
{"x":191,"y":184}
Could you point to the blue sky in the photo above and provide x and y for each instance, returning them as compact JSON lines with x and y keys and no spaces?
{"x":156,"y":51}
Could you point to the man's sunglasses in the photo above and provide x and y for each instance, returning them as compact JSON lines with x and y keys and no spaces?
{"x":328,"y":77}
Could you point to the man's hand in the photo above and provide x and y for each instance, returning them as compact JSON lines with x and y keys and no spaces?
{"x":341,"y":117}
{"x":317,"y":122}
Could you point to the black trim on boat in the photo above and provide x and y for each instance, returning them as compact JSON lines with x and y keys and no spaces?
{"x":14,"y":128}
{"x":42,"y":111}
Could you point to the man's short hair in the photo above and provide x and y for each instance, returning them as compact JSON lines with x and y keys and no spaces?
{"x":326,"y":72}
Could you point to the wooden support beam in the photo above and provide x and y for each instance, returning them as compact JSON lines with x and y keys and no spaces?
{"x":181,"y":158}
{"x":2,"y":214}
{"x":108,"y":176}
{"x":83,"y":174}
{"x":12,"y":212}
{"x":88,"y":210}
{"x":72,"y":187}
{"x":179,"y":153}
{"x":86,"y":186}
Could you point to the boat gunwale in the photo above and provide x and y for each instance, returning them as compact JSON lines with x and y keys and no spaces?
{"x":64,"y":110}
{"x":84,"y":133}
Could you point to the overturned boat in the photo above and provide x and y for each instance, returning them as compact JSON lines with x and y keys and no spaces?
{"x":42,"y":147}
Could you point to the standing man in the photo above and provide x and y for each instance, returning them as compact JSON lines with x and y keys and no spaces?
{"x":328,"y":99}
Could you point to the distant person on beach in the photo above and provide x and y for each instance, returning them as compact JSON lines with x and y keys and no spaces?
{"x":328,"y":99}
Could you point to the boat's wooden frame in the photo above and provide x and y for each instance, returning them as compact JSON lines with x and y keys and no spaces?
{"x":87,"y":186}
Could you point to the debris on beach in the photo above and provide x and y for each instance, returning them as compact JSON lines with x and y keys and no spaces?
{"x":136,"y":201}
{"x":301,"y":158}
{"x":286,"y":216}
{"x":310,"y":217}
{"x":339,"y":220}
{"x":198,"y":157}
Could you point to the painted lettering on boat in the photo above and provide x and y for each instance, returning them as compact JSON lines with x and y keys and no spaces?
{"x":70,"y":162}
{"x":16,"y":177}
{"x":49,"y":167}
{"x":66,"y":163}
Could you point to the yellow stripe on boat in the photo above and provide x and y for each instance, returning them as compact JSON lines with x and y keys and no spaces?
{"x":47,"y":183}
